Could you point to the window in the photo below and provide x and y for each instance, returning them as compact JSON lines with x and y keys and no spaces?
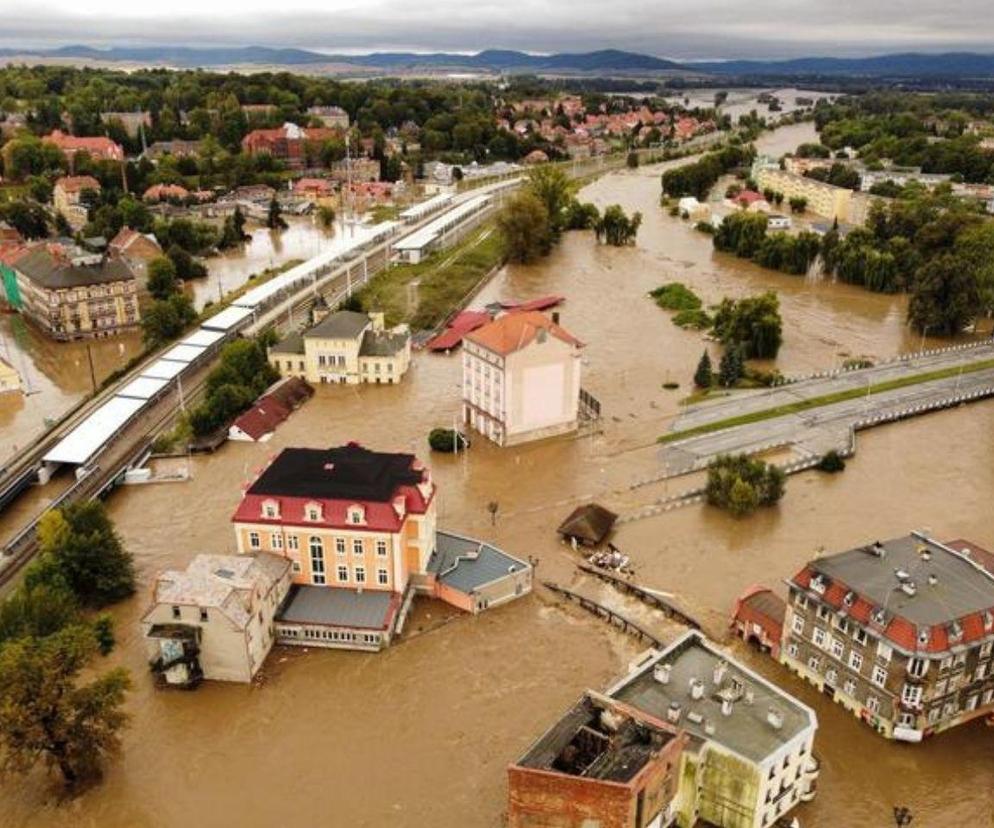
{"x":906,"y":720}
{"x":917,"y":667}
{"x":357,"y":546}
{"x":838,"y":647}
{"x":855,"y":661}
{"x":879,"y":676}
{"x":792,"y":650}
{"x":340,"y":546}
{"x":971,"y":702}
{"x":814,"y":663}
{"x":343,"y":573}
{"x":849,"y":687}
{"x":317,"y":560}
{"x":946,"y":663}
{"x":381,"y":548}
{"x":831,"y":678}
{"x":986,"y":649}
{"x":859,"y":636}
{"x":797,"y":624}
{"x":823,"y":612}
{"x":203,"y":614}
{"x":292,"y":542}
{"x":176,"y":612}
{"x":254,"y":540}
{"x":801,"y":600}
{"x":360,"y":574}
{"x":382,"y":576}
{"x":911,"y":695}
{"x":312,"y":511}
{"x":269,"y":509}
{"x":884,"y":652}
{"x":873,"y":704}
{"x":818,"y":637}
{"x":940,"y":687}
{"x":276,"y":539}
{"x":296,"y":566}
{"x":981,"y":672}
{"x":933,"y":715}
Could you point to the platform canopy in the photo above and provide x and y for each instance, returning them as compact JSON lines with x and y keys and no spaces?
{"x":202,"y":338}
{"x":86,"y":439}
{"x":227,"y":319}
{"x":183,"y":353}
{"x":166,"y":369}
{"x":143,"y":388}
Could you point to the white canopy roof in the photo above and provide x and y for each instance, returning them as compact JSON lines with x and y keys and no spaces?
{"x":183,"y":353}
{"x":227,"y":319}
{"x":427,"y":234}
{"x":165,"y":369}
{"x":143,"y":388}
{"x":202,"y":338}
{"x":86,"y":439}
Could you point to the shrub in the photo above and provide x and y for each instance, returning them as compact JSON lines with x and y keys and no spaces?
{"x":445,"y":440}
{"x":831,"y":462}
{"x":740,"y":485}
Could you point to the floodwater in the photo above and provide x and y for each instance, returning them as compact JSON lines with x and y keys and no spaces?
{"x":742,"y":101}
{"x":420,"y":735}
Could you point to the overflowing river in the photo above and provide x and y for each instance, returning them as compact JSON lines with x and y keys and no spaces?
{"x":420,"y":734}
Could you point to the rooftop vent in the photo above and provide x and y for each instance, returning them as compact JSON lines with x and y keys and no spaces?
{"x":726,"y":707}
{"x":661,"y":673}
{"x":988,"y":621}
{"x":923,"y":636}
{"x":902,"y":575}
{"x":774,"y":718}
{"x":877,"y":550}
{"x":924,"y":553}
{"x":720,"y":669}
{"x":610,"y":720}
{"x":673,"y":712}
{"x":955,"y":631}
{"x":709,"y":727}
{"x":750,"y":697}
{"x":696,"y":688}
{"x":849,"y":599}
{"x":879,"y":616}
{"x":819,"y":583}
{"x":695,"y":717}
{"x":909,"y":588}
{"x":932,"y":580}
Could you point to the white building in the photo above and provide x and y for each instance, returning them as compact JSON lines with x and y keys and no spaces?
{"x":521,"y":378}
{"x":214,"y":620}
{"x":776,"y":221}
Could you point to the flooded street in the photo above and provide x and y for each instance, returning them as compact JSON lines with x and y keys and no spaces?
{"x":420,"y":734}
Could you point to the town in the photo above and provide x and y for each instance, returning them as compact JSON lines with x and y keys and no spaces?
{"x":580,"y":450}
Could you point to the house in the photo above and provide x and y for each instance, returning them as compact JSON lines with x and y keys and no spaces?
{"x":521,"y":378}
{"x":10,"y":380}
{"x":133,"y":122}
{"x":603,"y":764}
{"x":313,"y":188}
{"x":100,"y":148}
{"x":589,"y":524}
{"x":260,"y":421}
{"x":177,"y":148}
{"x":750,"y":200}
{"x":9,"y":235}
{"x":356,"y":170}
{"x":758,"y":619}
{"x":72,"y":295}
{"x":215,"y":619}
{"x":333,"y":117}
{"x":899,"y":632}
{"x":359,"y":529}
{"x":297,"y":146}
{"x":67,"y":197}
{"x":137,"y":249}
{"x":345,"y":347}
{"x":165,"y":192}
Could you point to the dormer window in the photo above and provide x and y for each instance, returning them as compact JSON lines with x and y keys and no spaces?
{"x":312,"y":511}
{"x":357,"y":515}
{"x":270,"y":509}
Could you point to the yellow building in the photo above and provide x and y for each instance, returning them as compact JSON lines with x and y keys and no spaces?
{"x":345,"y":347}
{"x":848,"y":206}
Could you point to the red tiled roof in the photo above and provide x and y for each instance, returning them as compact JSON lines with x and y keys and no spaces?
{"x":749,"y":197}
{"x":542,"y":303}
{"x":461,"y":325}
{"x":77,"y":183}
{"x":160,"y":192}
{"x":99,"y":146}
{"x":515,"y":331}
{"x":262,"y":418}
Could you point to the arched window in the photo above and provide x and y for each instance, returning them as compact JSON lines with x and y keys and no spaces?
{"x":317,"y":559}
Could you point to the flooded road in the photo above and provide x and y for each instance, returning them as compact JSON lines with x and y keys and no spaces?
{"x":420,"y":734}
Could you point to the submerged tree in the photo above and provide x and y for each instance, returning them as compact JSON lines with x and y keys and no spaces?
{"x":616,"y":228}
{"x":704,"y":376}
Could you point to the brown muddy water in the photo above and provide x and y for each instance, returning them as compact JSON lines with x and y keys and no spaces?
{"x":420,"y":735}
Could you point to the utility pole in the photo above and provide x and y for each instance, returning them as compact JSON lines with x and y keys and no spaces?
{"x":93,"y":375}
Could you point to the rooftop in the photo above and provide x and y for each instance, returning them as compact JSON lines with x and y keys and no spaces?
{"x":339,"y":325}
{"x":346,"y":472}
{"x":589,"y":523}
{"x":383,"y":343}
{"x":55,"y":271}
{"x":664,"y":684}
{"x":335,"y":607}
{"x":515,"y":331}
{"x":466,"y":564}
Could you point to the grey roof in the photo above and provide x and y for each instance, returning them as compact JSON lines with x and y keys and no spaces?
{"x":962,"y":586}
{"x":382,"y":343}
{"x":466,"y":564}
{"x":337,"y":607}
{"x":293,"y":344}
{"x":41,"y":267}
{"x":746,"y":730}
{"x":340,"y":325}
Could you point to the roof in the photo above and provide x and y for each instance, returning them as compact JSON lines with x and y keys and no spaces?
{"x":98,"y":145}
{"x":339,"y":325}
{"x":80,"y":444}
{"x":47,"y":268}
{"x":343,"y":473}
{"x":764,"y":603}
{"x":227,"y":319}
{"x":262,"y":418}
{"x":77,"y":183}
{"x":590,"y":523}
{"x":515,"y":331}
{"x":292,"y":344}
{"x":746,"y":731}
{"x":458,"y":327}
{"x":383,"y":343}
{"x":234,"y":584}
{"x":143,"y":388}
{"x":126,"y":237}
{"x":920,"y":594}
{"x":467,"y":565}
{"x":336,"y":607}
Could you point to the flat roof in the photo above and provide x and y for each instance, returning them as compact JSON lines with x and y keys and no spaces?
{"x":961,"y":586}
{"x":227,"y":319}
{"x":746,"y":731}
{"x":336,"y":607}
{"x":183,"y":353}
{"x":143,"y":388}
{"x":202,"y":338}
{"x":165,"y":369}
{"x":416,"y":211}
{"x":80,"y":444}
{"x":427,"y":234}
{"x":466,"y":564}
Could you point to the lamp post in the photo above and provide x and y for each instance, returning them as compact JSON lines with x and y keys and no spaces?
{"x":902,"y":816}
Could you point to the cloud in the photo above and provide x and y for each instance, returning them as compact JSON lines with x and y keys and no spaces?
{"x":682,"y":29}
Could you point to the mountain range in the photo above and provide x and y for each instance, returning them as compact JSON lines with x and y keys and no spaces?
{"x":606,"y":61}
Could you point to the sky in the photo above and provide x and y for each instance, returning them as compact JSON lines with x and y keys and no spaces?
{"x":679,"y":29}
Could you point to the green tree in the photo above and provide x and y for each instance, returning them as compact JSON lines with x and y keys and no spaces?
{"x":47,"y":713}
{"x":524,"y":226}
{"x":162,"y":278}
{"x":616,"y":228}
{"x":166,"y":319}
{"x":753,"y":323}
{"x":274,"y":218}
{"x":740,"y":484}
{"x":731,"y":367}
{"x":798,"y":204}
{"x":551,"y":186}
{"x":945,"y":297}
{"x":703,"y":376}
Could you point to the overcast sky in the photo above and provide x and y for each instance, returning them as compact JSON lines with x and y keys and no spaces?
{"x":684,"y":29}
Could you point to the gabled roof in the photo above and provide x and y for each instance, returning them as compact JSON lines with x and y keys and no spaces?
{"x":339,"y":325}
{"x":589,"y":523}
{"x":515,"y":331}
{"x":53,"y":271}
{"x":77,"y":183}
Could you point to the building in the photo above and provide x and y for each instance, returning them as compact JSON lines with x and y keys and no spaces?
{"x":67,"y":197}
{"x":356,"y":170}
{"x":214,"y":620}
{"x":758,"y":619}
{"x":345,"y":347}
{"x":778,"y":221}
{"x":901,"y":176}
{"x":521,"y":378}
{"x":297,"y":146}
{"x":270,"y":410}
{"x":72,"y":295}
{"x":900,"y":633}
{"x":359,"y":530}
{"x":333,"y":117}
{"x":100,"y":148}
{"x":822,"y":199}
{"x":133,"y":122}
{"x":165,"y":192}
{"x":313,"y":189}
{"x":10,"y":380}
{"x":177,"y":148}
{"x":603,"y":764}
{"x":137,"y":249}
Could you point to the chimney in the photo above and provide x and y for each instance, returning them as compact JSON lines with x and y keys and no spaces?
{"x":719,"y":672}
{"x":709,"y":727}
{"x":726,"y":707}
{"x":673,"y":713}
{"x":662,"y":673}
{"x":696,"y":688}
{"x":774,"y":718}
{"x":555,"y":317}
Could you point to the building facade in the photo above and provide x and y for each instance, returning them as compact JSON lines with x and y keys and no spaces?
{"x":100,"y":148}
{"x":521,"y":379}
{"x":333,"y":117}
{"x":297,"y":146}
{"x":345,"y":347}
{"x":900,"y":633}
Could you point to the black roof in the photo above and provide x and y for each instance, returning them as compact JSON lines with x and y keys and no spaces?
{"x":340,"y":325}
{"x":346,"y":472}
{"x":49,"y":271}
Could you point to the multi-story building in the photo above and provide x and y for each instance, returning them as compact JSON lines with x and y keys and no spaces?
{"x":71,"y":295}
{"x":356,"y":170}
{"x":67,"y":197}
{"x":345,"y":347}
{"x":99,"y":147}
{"x":738,"y":752}
{"x":333,"y":117}
{"x":137,"y":249}
{"x":521,"y":378}
{"x":822,"y":199}
{"x":901,"y":176}
{"x":900,"y":633}
{"x":215,"y":619}
{"x":291,"y":143}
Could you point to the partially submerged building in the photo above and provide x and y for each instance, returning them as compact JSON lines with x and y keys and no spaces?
{"x":588,"y":524}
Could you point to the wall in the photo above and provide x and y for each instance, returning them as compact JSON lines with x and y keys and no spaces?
{"x":542,"y":387}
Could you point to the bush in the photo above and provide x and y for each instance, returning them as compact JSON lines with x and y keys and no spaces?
{"x":831,"y":462}
{"x":671,"y":386}
{"x":740,"y":485}
{"x":697,"y":319}
{"x":676,"y":296}
{"x":445,"y":440}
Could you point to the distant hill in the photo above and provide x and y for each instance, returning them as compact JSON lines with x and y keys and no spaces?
{"x":910,"y":64}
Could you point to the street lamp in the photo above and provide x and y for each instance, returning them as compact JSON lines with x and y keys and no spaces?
{"x":902,"y":816}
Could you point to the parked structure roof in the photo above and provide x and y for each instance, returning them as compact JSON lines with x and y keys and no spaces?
{"x":80,"y":444}
{"x":467,"y":565}
{"x":334,"y":607}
